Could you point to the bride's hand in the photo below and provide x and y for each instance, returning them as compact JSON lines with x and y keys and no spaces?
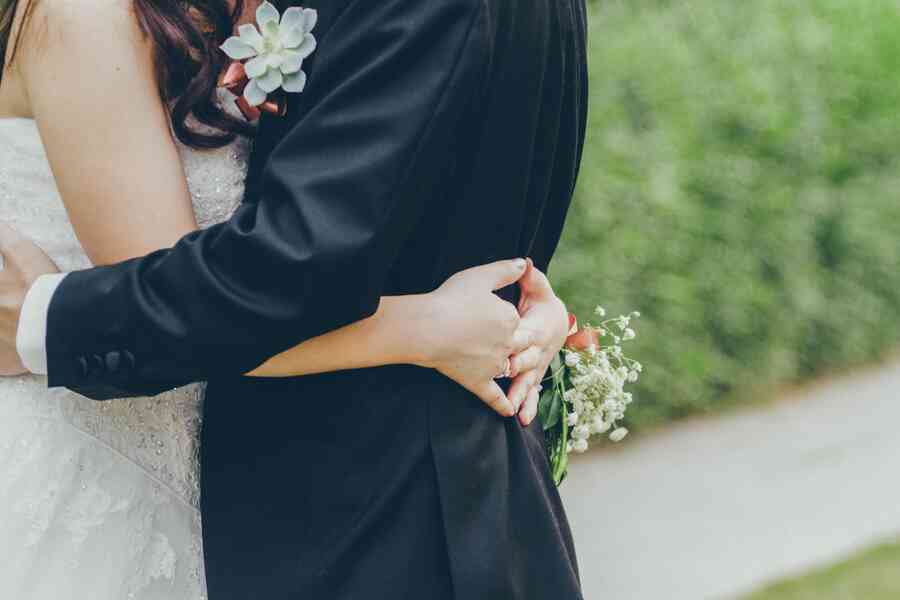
{"x":545,"y":316}
{"x":23,"y":263}
{"x":468,"y":333}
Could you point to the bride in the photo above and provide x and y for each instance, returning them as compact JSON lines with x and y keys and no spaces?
{"x":114,"y":142}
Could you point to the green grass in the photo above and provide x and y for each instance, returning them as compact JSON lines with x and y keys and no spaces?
{"x":740,"y":188}
{"x":872,"y":575}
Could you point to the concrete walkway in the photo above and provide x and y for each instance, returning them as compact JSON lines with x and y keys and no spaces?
{"x":712,"y":508}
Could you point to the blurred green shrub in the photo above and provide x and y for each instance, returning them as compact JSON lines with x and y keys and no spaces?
{"x":740,"y":189}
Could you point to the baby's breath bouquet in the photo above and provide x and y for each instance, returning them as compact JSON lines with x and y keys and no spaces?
{"x":587,"y":395}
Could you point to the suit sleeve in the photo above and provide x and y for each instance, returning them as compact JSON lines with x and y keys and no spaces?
{"x":312,"y":251}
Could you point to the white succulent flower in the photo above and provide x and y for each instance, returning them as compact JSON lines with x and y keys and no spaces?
{"x":276,"y":50}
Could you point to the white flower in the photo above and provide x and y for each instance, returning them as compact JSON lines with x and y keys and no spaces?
{"x":572,"y":419}
{"x":580,"y":446}
{"x":618,"y":435}
{"x":600,"y":311}
{"x":572,"y":359}
{"x":581,"y":432}
{"x":633,"y":376}
{"x":578,"y":405}
{"x":628,"y":334}
{"x":276,"y":50}
{"x":599,"y":425}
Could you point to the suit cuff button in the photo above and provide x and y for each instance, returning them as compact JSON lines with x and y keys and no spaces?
{"x":81,"y":366}
{"x":113,"y":361}
{"x":96,"y":366}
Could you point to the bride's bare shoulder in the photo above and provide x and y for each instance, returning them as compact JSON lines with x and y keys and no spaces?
{"x":101,"y":28}
{"x":93,"y":49}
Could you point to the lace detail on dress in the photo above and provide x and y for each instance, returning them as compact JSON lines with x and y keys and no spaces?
{"x":99,"y":500}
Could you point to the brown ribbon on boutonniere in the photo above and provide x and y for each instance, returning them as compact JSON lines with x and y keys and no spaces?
{"x":235,"y":80}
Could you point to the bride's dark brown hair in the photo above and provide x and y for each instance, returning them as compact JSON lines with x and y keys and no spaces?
{"x":186,"y":35}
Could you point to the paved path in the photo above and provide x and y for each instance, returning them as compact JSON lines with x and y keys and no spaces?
{"x":711,"y":508}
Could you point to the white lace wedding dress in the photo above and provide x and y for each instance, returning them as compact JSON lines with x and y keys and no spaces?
{"x":98,"y":501}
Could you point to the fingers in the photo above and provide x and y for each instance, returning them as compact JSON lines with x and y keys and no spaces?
{"x":523,"y":297}
{"x":534,"y":284}
{"x":521,"y":385}
{"x":20,"y":254}
{"x":527,"y":360}
{"x":522,"y":340}
{"x":9,"y":237}
{"x":498,"y":275}
{"x":529,"y":410}
{"x":491,"y":394}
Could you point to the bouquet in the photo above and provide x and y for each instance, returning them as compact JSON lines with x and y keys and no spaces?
{"x":587,"y":395}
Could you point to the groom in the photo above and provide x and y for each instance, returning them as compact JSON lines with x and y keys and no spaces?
{"x":432,"y":136}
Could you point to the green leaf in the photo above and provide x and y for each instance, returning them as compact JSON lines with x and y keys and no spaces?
{"x":550,"y":408}
{"x":557,"y":363}
{"x":559,"y":372}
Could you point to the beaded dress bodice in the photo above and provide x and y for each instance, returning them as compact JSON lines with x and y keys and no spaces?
{"x":135,"y":458}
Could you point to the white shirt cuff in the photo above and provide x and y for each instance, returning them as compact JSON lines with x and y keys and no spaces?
{"x":31,"y":335}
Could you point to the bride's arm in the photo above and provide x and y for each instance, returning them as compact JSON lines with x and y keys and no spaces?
{"x":89,"y":77}
{"x":449,"y":330}
{"x":90,"y":81}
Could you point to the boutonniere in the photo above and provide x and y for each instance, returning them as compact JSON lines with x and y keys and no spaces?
{"x":269,"y":59}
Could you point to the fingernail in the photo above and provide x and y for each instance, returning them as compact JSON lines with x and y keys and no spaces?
{"x":521,"y":264}
{"x":527,"y":418}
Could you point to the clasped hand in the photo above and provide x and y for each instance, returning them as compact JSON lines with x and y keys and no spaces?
{"x":23,"y":263}
{"x":480,"y":332}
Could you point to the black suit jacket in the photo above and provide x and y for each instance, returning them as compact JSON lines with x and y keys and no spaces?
{"x":432,"y":136}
